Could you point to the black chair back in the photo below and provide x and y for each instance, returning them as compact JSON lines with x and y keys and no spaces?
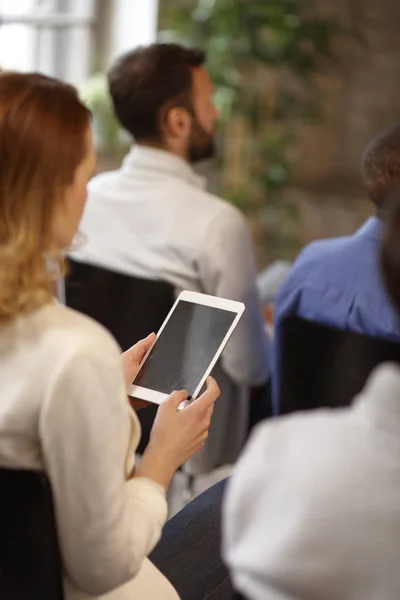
{"x":323,"y":366}
{"x":129,"y":307}
{"x":30,"y":564}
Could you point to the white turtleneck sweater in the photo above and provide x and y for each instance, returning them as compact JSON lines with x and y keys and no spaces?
{"x":64,"y":410}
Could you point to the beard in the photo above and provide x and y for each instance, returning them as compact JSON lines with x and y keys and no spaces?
{"x":201,"y":143}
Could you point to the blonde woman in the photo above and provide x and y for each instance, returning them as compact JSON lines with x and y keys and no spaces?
{"x":63,"y":406}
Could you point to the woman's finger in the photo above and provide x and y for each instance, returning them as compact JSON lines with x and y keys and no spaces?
{"x":137,"y":352}
{"x":145,"y":344}
{"x":208,"y":398}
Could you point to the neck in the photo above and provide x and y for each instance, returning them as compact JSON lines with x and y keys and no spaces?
{"x":165,"y":147}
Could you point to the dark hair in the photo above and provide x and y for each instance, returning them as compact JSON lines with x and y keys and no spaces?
{"x":147,"y":82}
{"x":381,"y":165}
{"x":390,"y":250}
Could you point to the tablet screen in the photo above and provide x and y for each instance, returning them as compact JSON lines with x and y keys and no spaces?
{"x":185,"y":348}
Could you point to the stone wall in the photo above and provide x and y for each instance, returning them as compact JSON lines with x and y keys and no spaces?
{"x":361,"y":96}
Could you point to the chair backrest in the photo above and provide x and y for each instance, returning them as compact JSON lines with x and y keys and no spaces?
{"x":129,"y":307}
{"x":30,"y":564}
{"x":324,"y":366}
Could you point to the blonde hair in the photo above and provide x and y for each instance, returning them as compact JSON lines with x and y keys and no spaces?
{"x":42,"y":142}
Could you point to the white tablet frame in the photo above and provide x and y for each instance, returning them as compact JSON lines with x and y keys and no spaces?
{"x":156,"y":397}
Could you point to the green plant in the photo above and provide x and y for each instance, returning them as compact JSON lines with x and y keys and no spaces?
{"x":107,"y":133}
{"x":262,"y":55}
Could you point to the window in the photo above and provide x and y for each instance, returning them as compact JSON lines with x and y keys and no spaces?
{"x":135,"y":24}
{"x":51,"y":36}
{"x":60,"y":37}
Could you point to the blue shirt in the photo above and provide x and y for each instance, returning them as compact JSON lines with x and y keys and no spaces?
{"x":337,"y":282}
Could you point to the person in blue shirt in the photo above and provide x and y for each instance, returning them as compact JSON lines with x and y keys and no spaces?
{"x":337,"y":281}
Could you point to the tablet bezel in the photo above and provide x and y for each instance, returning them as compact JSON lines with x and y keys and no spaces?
{"x":156,"y":397}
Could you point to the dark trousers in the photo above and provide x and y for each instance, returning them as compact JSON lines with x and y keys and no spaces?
{"x":188,"y":553}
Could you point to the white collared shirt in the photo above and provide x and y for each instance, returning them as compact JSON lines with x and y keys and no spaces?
{"x":154,"y":219}
{"x":313,"y":509}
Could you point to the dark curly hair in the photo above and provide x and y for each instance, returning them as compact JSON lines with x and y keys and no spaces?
{"x":381,"y":165}
{"x":390,"y":250}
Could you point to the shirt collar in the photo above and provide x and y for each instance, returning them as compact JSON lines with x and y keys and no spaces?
{"x":164,"y":162}
{"x":372,"y":229}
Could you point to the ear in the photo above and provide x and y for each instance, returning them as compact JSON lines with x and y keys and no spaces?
{"x":178,"y":122}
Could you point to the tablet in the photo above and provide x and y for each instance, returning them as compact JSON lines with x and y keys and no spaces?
{"x":187,"y":347}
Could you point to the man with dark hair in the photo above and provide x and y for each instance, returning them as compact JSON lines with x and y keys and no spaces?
{"x":153,"y":219}
{"x":159,"y":91}
{"x":337,"y":282}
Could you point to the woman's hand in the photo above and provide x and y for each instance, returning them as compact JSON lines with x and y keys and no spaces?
{"x":177,"y":434}
{"x":131,"y":360}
